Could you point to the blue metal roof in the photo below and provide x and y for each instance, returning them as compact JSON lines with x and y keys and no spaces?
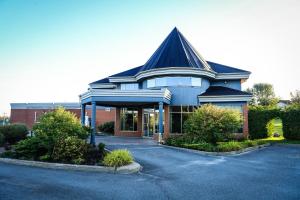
{"x":222,"y":91}
{"x":175,"y":51}
{"x":104,"y":80}
{"x":219,"y":68}
{"x":130,"y":72}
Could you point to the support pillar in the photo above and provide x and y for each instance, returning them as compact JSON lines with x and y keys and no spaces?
{"x":82,"y":115}
{"x":93,"y":125}
{"x":160,"y":119}
{"x":167,"y":121}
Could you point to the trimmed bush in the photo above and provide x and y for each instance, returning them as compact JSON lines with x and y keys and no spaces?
{"x":118,"y":158}
{"x":14,"y":132}
{"x":8,"y":154}
{"x":229,"y":146}
{"x":2,"y":140}
{"x":202,"y":146}
{"x":32,"y":148}
{"x":291,"y":122}
{"x":107,"y":127}
{"x":94,"y":155}
{"x":212,"y":124}
{"x":60,"y":123}
{"x":258,"y":118}
{"x":70,"y":150}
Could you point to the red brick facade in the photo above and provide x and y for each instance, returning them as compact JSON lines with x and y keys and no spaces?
{"x":30,"y":116}
{"x":138,"y":133}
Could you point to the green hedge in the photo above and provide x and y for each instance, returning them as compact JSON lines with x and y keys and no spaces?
{"x":259,"y":117}
{"x":291,"y":123}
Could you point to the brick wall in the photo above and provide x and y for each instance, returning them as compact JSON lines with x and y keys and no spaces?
{"x":27,"y":116}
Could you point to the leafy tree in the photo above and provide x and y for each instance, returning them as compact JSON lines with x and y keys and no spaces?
{"x":263,"y":94}
{"x":295,"y":98}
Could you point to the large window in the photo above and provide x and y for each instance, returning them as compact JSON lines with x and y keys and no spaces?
{"x":178,"y":115}
{"x":174,"y":81}
{"x":129,"y":86}
{"x":128,"y":119}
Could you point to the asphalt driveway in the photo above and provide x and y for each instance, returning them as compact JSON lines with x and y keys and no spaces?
{"x":270,"y":173}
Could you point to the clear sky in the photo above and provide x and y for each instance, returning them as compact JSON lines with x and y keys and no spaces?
{"x":51,"y":49}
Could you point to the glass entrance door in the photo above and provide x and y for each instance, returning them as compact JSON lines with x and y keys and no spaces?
{"x":149,"y":122}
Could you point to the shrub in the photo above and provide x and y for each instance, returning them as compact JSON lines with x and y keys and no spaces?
{"x":249,"y":143}
{"x":8,"y":154}
{"x":60,"y":123}
{"x":2,"y":140}
{"x":70,"y":150}
{"x":270,"y":128}
{"x":101,"y":148}
{"x":14,"y":132}
{"x":118,"y":158}
{"x":107,"y":127}
{"x":211,"y":124}
{"x":291,"y":122}
{"x":202,"y":146}
{"x":92,"y":155}
{"x":32,"y":148}
{"x":229,"y":146}
{"x":258,"y":118}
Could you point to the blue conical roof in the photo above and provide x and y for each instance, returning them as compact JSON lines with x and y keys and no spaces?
{"x":175,"y":51}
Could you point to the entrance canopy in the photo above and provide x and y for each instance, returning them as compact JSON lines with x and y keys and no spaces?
{"x":117,"y":98}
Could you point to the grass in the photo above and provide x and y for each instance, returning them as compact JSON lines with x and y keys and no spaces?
{"x":278,"y":126}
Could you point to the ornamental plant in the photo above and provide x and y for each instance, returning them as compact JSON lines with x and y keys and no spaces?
{"x":118,"y":158}
{"x":212,"y":124}
{"x":59,"y":123}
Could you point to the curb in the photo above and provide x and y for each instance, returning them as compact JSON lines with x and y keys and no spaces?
{"x":230,"y":153}
{"x":128,"y":169}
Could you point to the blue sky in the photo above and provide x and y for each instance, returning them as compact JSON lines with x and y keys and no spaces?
{"x":51,"y":49}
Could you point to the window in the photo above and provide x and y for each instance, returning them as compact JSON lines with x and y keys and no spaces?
{"x":151,"y":83}
{"x":178,"y":115}
{"x":128,"y":119}
{"x":196,"y":81}
{"x":174,"y":81}
{"x":129,"y":86}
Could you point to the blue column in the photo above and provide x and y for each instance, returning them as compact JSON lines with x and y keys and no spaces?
{"x":160,"y":119}
{"x":93,"y":125}
{"x":82,"y":115}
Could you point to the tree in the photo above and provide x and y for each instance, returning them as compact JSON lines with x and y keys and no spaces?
{"x":295,"y":98}
{"x":263,"y":94}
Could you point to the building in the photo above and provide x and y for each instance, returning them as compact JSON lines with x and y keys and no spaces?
{"x":29,"y":113}
{"x":283,"y":103}
{"x":156,"y":98}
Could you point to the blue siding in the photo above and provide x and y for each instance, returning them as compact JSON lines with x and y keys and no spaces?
{"x":234,"y":84}
{"x":185,"y":95}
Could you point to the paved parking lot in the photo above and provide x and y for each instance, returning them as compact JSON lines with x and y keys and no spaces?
{"x":270,"y":173}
